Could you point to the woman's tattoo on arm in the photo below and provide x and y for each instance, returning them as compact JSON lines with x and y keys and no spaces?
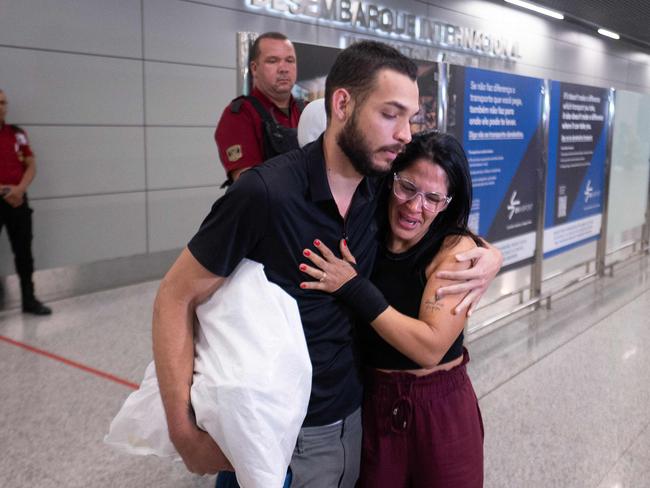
{"x":432,"y":304}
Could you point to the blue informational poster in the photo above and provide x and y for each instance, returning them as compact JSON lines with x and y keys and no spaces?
{"x":577,"y":150}
{"x":498,"y":118}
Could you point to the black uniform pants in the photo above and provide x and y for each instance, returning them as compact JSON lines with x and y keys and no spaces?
{"x":18,"y":222}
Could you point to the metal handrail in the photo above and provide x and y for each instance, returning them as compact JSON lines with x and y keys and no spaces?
{"x":566,"y":270}
{"x":524,"y":288}
{"x":642,"y":250}
{"x":501,"y":316}
{"x":550,"y":294}
{"x":625,"y":245}
{"x":556,"y":274}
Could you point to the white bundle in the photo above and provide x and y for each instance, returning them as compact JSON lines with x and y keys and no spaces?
{"x":251,"y":386}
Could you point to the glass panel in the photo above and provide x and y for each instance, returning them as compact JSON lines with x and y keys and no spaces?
{"x":628,"y":191}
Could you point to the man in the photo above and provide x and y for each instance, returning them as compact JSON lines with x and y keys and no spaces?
{"x":270,"y":215}
{"x":17,"y":170}
{"x":240,"y":135}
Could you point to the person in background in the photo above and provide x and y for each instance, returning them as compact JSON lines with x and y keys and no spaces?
{"x":312,"y":123}
{"x":258,"y":127}
{"x":422,"y":424}
{"x":17,"y":171}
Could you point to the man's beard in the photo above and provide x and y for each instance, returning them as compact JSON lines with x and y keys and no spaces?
{"x":354,"y":145}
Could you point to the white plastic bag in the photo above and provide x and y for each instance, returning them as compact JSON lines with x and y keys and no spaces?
{"x":251,"y":387}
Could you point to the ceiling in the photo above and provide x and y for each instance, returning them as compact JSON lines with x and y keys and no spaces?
{"x":629,"y":18}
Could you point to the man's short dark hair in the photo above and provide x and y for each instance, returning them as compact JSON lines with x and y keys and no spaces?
{"x":255,"y":49}
{"x":356,"y":68}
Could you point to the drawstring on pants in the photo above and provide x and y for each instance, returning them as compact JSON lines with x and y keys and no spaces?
{"x":402,"y":410}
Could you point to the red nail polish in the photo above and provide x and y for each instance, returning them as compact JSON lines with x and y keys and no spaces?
{"x":316,"y":242}
{"x":345,"y":243}
{"x":303,"y":267}
{"x":307,"y":252}
{"x":303,"y":285}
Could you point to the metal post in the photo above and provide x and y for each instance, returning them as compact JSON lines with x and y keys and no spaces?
{"x":645,"y":235}
{"x":601,"y":248}
{"x":536,"y":269}
{"x":244,"y":42}
{"x":443,"y":96}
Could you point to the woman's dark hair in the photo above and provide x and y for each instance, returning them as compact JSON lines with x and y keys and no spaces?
{"x":445,"y":151}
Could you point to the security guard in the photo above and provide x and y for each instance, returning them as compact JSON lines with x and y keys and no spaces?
{"x":255,"y":128}
{"x":17,"y":170}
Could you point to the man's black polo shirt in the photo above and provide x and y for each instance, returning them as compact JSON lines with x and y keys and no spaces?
{"x":270,"y":215}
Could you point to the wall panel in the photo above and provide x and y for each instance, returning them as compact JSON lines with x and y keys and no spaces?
{"x":61,"y":88}
{"x":638,"y":74}
{"x":181,"y":95}
{"x":88,"y":26}
{"x":195,"y":33}
{"x":175,"y":215}
{"x":79,"y":230}
{"x":587,"y":61}
{"x":182,"y":157}
{"x":87,"y":160}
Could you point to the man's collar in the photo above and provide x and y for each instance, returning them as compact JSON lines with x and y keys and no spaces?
{"x":257,"y":93}
{"x":318,"y":185}
{"x":317,"y":174}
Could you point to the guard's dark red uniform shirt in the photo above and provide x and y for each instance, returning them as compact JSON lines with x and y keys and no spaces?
{"x":239,"y":135}
{"x":14,"y":148}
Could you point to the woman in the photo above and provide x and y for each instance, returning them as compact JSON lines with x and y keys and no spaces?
{"x":421,"y":420}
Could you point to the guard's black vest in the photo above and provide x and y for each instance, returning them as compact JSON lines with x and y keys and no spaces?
{"x":278,"y":139}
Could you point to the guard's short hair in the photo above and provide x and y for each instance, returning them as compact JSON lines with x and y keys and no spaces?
{"x":356,"y":68}
{"x":255,"y":49}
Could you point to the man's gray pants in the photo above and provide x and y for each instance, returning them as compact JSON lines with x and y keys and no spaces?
{"x":328,"y":456}
{"x":324,"y":457}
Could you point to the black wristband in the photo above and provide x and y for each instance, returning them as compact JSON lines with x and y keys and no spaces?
{"x":363,"y":297}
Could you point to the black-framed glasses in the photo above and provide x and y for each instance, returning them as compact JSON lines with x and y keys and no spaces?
{"x":405,"y":190}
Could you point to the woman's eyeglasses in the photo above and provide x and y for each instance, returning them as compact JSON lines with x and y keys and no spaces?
{"x":406,"y":190}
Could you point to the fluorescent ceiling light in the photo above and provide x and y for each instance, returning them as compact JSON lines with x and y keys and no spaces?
{"x":605,"y":32}
{"x":541,"y":10}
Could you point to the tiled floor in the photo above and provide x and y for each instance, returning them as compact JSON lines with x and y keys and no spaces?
{"x":565,"y":393}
